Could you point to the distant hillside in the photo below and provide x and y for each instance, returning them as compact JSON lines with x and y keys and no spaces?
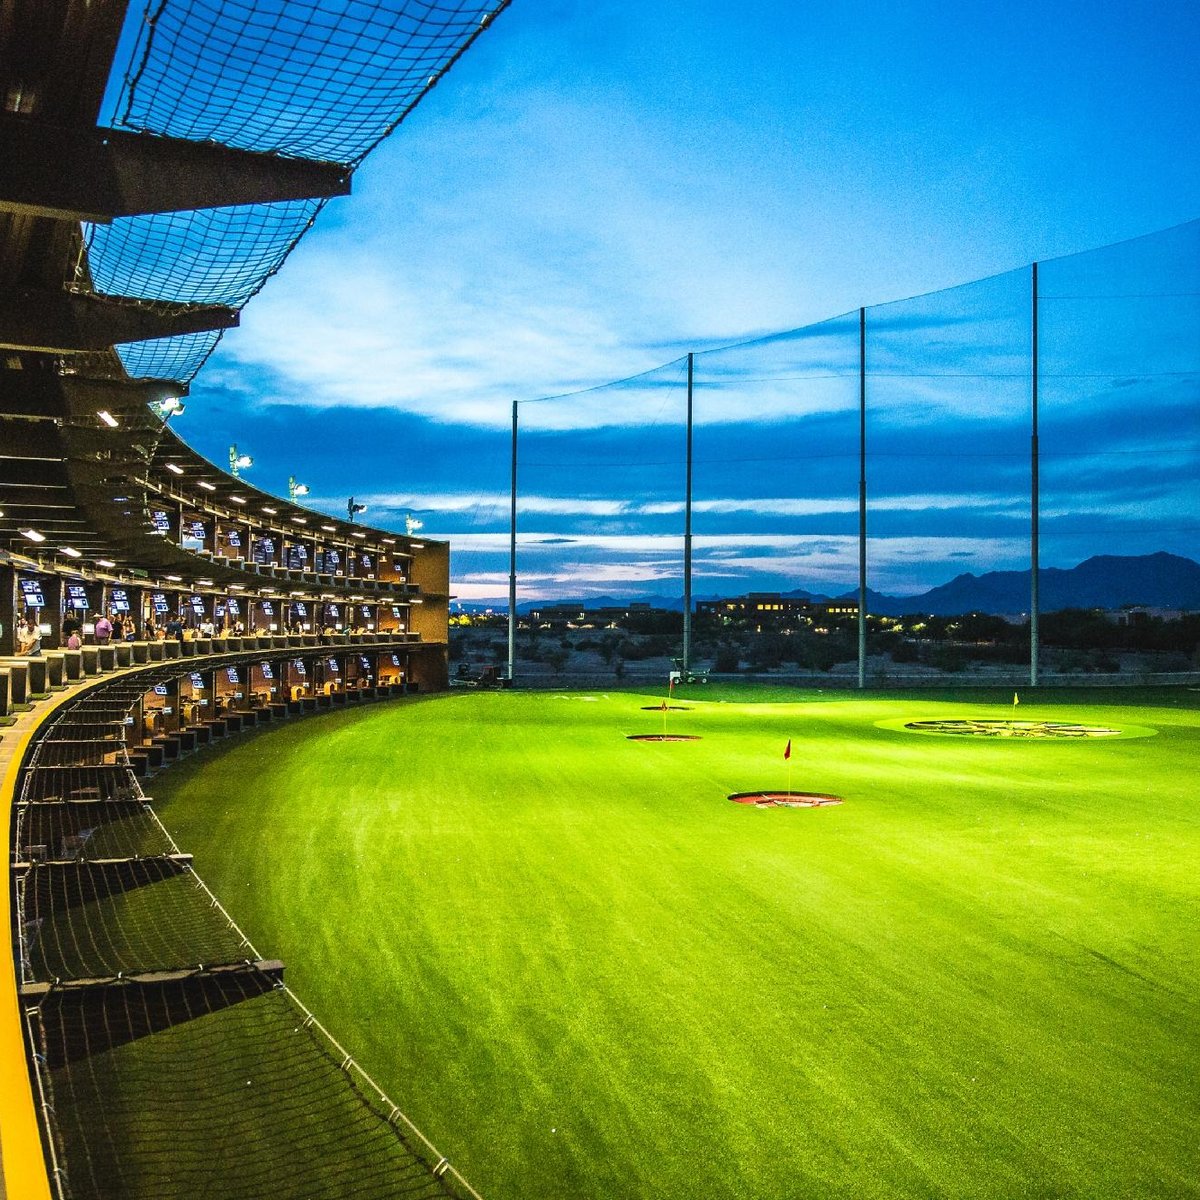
{"x":1106,"y":581}
{"x":1159,"y":580}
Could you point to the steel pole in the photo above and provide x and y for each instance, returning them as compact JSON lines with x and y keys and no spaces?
{"x":1034,"y":549}
{"x":687,"y":535}
{"x":862,"y":497}
{"x":512,"y":555}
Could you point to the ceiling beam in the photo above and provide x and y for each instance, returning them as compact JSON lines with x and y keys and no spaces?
{"x":59,"y":322}
{"x":94,"y":174}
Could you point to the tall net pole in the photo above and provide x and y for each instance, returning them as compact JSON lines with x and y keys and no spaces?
{"x":1033,"y":494}
{"x":862,"y":497}
{"x":512,"y":554}
{"x":687,"y":535}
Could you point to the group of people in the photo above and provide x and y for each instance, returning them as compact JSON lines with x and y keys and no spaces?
{"x":173,"y":629}
{"x":122,"y":628}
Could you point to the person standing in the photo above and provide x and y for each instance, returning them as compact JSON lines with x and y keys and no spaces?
{"x":29,"y":638}
{"x":103,"y":630}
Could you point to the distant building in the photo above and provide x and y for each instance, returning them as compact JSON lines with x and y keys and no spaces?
{"x":1139,"y":612}
{"x":772,"y":608}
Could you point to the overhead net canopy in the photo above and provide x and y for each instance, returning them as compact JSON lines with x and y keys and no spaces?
{"x":321,"y":80}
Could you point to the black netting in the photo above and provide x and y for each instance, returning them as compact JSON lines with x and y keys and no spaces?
{"x":173,"y":1061}
{"x":321,"y":80}
{"x":324,"y":81}
{"x":248,"y":1101}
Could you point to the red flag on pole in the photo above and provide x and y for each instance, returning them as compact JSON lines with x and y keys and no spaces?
{"x":787,"y":750}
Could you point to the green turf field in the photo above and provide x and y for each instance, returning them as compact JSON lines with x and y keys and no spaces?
{"x":584,"y":973}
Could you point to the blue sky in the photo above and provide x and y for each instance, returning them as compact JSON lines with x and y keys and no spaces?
{"x":596,"y":189}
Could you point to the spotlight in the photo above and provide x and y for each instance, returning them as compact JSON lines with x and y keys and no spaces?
{"x":238,"y":462}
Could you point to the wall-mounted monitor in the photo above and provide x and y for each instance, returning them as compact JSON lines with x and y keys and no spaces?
{"x":365,"y":559}
{"x":118,"y":600}
{"x":231,"y":673}
{"x":31,"y":593}
{"x":77,"y":599}
{"x":159,"y":602}
{"x":193,"y":535}
{"x":233,"y":607}
{"x":299,"y":667}
{"x":266,"y":671}
{"x":395,"y":660}
{"x":300,"y":609}
{"x":160,"y":689}
{"x":397,"y":611}
{"x":161,"y":520}
{"x":197,"y":681}
{"x":197,"y":603}
{"x":233,"y":537}
{"x":365,"y":662}
{"x":268,"y":608}
{"x":334,"y":669}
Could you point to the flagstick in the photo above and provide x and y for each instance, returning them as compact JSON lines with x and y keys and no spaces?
{"x":789,"y":776}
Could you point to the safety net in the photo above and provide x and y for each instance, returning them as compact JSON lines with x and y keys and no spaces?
{"x":169,"y":1058}
{"x":315,"y":80}
{"x":923,"y":455}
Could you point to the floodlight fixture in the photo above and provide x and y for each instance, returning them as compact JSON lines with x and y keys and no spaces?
{"x":296,"y":488}
{"x":33,"y":535}
{"x":167,"y":407}
{"x":353,"y":509}
{"x":238,"y":462}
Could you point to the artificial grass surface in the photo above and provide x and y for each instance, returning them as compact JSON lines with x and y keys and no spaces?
{"x":584,"y":973}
